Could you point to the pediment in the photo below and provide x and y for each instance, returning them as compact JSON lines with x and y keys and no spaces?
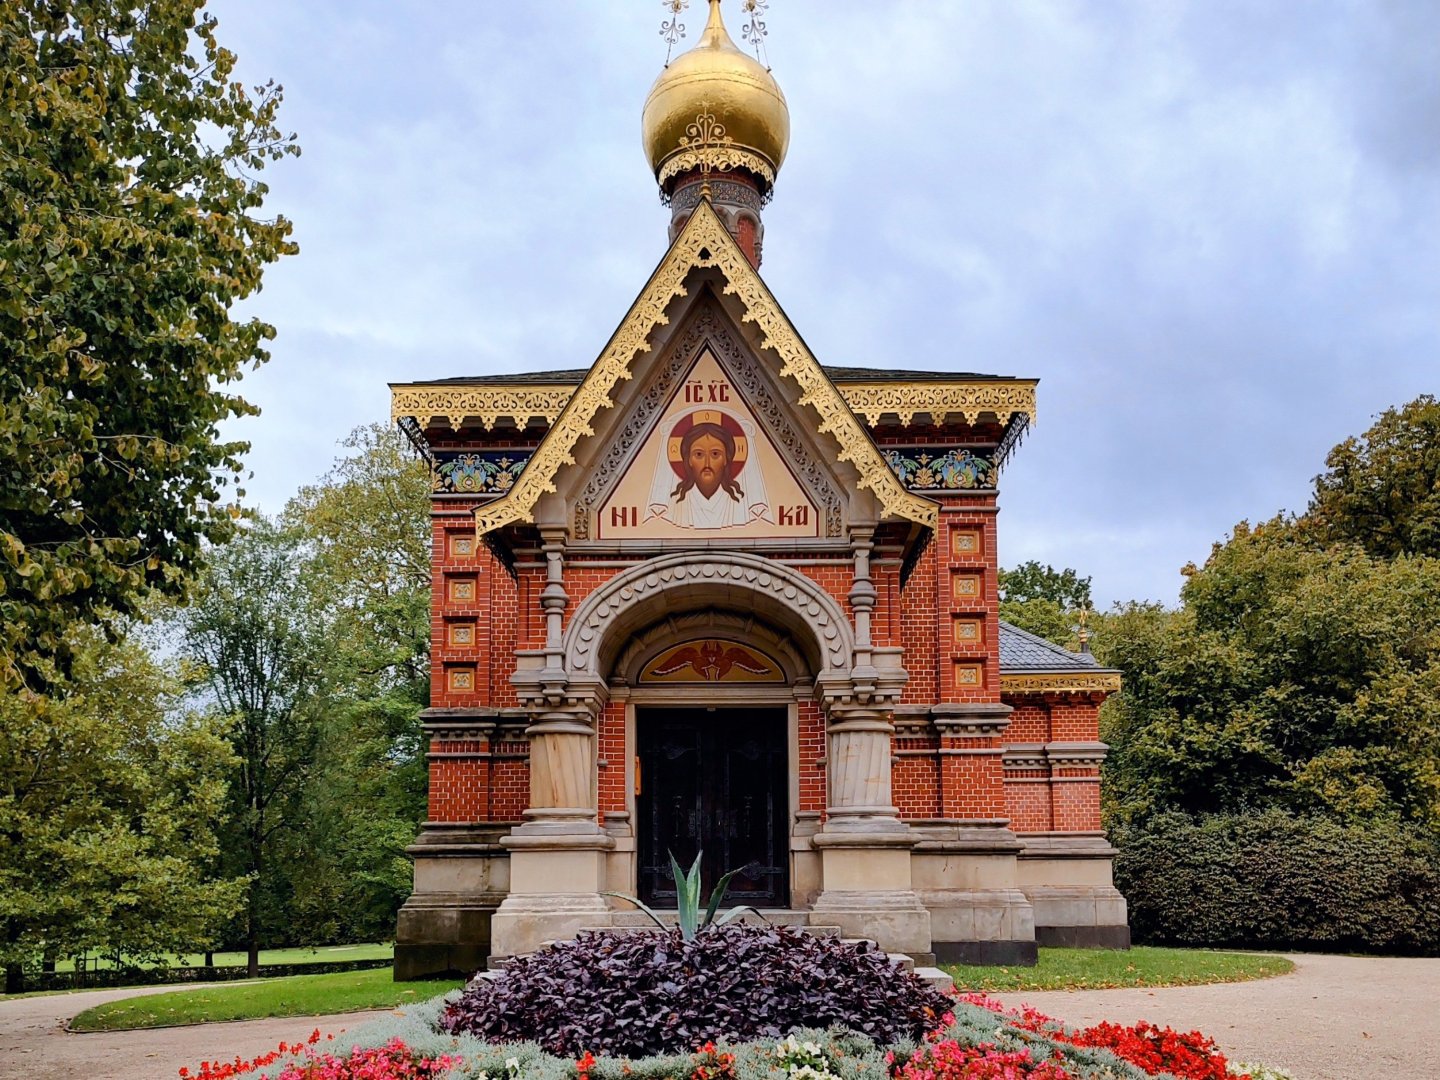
{"x":808,"y":445}
{"x":706,"y":394}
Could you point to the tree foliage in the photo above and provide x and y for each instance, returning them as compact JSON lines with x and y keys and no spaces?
{"x":1382,"y":490}
{"x":129,"y":228}
{"x":367,"y":531}
{"x":1046,"y":601}
{"x":1293,"y":675}
{"x":108,"y":802}
{"x":254,"y":634}
{"x":314,"y":635}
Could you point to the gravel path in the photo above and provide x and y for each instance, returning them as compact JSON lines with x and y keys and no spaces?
{"x":1333,"y":1018}
{"x":34,"y":1044}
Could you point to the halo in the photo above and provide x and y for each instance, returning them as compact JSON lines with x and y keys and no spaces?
{"x":721,"y":420}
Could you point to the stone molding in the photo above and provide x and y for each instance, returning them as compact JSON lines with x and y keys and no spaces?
{"x":979,"y":720}
{"x":1057,"y":845}
{"x":1072,"y":755}
{"x":721,"y":574}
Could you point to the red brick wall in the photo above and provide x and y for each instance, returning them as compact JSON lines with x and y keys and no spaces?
{"x":610,"y":754}
{"x":1060,"y":799}
{"x":916,"y":776}
{"x":809,"y":767}
{"x":1075,"y":800}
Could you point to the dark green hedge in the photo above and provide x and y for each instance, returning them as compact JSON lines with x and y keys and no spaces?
{"x":108,"y":977}
{"x":1276,"y":880}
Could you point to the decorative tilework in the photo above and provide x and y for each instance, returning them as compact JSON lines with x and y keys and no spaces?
{"x":478,"y":473}
{"x":969,"y":674}
{"x":462,"y":590}
{"x":462,"y":633}
{"x":965,"y":541}
{"x":460,"y":678}
{"x":462,"y":545}
{"x":919,"y":469}
{"x":969,"y":631}
{"x":966,"y":587}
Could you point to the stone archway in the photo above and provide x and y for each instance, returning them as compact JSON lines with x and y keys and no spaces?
{"x":639,"y":597}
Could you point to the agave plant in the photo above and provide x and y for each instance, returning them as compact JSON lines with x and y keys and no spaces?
{"x":687,"y":901}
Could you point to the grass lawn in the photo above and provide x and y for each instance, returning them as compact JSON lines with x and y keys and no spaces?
{"x":299,"y":995}
{"x":306,"y":955}
{"x":1101,"y":969}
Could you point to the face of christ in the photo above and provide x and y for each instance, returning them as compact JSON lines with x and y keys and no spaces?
{"x":706,"y":453}
{"x":707,"y":464}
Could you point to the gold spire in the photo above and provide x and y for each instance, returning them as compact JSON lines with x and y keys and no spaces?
{"x":716,"y":78}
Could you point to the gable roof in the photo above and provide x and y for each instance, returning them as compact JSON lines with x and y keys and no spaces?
{"x":572,"y":376}
{"x":703,"y":242}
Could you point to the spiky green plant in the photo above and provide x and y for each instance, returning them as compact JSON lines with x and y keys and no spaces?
{"x":687,"y":900}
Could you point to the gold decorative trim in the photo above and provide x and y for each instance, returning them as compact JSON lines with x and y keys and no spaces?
{"x":1045,"y":682}
{"x":488,"y":403}
{"x":874,"y":399}
{"x":704,"y":241}
{"x":716,"y":158}
{"x":523,"y":403}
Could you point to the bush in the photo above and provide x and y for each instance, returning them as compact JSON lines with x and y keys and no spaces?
{"x":981,"y":1041}
{"x":1277,"y":880}
{"x":655,"y":992}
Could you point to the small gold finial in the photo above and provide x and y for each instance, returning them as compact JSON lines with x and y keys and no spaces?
{"x":672,"y":29}
{"x":755,"y":31}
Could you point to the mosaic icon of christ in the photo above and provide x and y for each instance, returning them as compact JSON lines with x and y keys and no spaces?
{"x":702,"y":481}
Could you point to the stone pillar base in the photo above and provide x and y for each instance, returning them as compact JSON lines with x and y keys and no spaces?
{"x":556,"y":877}
{"x":896,"y":921}
{"x":526,"y":922}
{"x":867,"y":890}
{"x":461,"y":876}
{"x":967,"y":875}
{"x":1067,"y":877}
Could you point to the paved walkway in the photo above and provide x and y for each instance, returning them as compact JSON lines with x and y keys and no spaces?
{"x":34,"y":1044}
{"x":1334,"y":1018}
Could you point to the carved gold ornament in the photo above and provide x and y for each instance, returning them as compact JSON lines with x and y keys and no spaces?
{"x":486,"y":403}
{"x":703,"y":242}
{"x":1042,"y":682}
{"x":873,"y":400}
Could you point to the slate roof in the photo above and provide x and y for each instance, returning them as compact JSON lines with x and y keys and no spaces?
{"x":1022,"y":651}
{"x":837,"y":374}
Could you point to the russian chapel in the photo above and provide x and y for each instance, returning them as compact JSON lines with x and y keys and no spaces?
{"x":711,"y":596}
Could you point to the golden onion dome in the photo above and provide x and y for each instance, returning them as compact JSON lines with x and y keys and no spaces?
{"x":716,"y":84}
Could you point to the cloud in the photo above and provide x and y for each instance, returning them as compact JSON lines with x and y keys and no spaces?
{"x":1211,"y":228}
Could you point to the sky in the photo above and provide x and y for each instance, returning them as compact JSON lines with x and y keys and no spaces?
{"x":1211,"y":229}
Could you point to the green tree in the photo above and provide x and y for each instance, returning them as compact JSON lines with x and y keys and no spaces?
{"x":108,"y":802}
{"x":129,"y":228}
{"x":1293,"y":676}
{"x":255,"y":634}
{"x":1045,"y":601}
{"x":1382,"y":490}
{"x":367,"y":527}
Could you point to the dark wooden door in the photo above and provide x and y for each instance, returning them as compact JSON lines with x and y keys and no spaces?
{"x":715,"y":782}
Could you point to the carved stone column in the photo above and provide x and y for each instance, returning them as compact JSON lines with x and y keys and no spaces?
{"x":557,"y":857}
{"x":864,"y":846}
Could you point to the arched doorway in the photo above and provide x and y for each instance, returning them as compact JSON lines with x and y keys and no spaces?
{"x":714,"y":736}
{"x":720,"y":660}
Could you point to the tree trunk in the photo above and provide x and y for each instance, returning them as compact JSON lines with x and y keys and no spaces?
{"x":209,"y":958}
{"x":252,"y":963}
{"x":14,"y":979}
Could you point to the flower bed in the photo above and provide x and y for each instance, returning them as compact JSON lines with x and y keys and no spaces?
{"x":979,"y":1040}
